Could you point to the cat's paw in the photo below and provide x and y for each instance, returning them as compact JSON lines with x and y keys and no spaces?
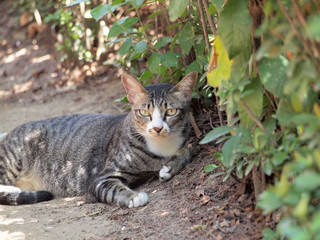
{"x":140,"y":200}
{"x":164,"y":173}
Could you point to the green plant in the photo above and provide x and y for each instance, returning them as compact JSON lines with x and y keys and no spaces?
{"x":273,"y":90}
{"x":165,"y":55}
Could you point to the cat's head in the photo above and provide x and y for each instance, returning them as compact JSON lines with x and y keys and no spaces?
{"x":159,"y":110}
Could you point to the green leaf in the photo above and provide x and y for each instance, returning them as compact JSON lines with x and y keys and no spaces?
{"x":129,"y":22}
{"x":313,"y":29}
{"x":162,"y":42}
{"x":210,"y":168}
{"x":288,"y":228}
{"x":229,"y":150}
{"x":136,"y":3}
{"x":234,"y":28}
{"x":140,"y":47}
{"x":215,"y":133}
{"x":169,"y":59}
{"x":267,"y":167}
{"x":260,"y":139}
{"x":194,"y":66}
{"x":307,"y":181}
{"x":254,"y":102}
{"x":268,"y":234}
{"x":154,"y":63}
{"x":279,"y":158}
{"x":173,"y":26}
{"x":269,"y":201}
{"x":146,"y":75}
{"x":285,"y":112}
{"x":252,"y":163}
{"x":125,"y":47}
{"x":245,"y":149}
{"x":177,"y":8}
{"x":186,"y":38}
{"x":273,"y":74}
{"x":151,"y":16}
{"x":218,"y":4}
{"x":76,"y":2}
{"x":315,"y":223}
{"x":100,"y":11}
{"x":121,"y":26}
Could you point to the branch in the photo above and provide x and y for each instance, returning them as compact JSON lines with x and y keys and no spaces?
{"x":194,"y":125}
{"x":211,"y":23}
{"x":205,"y":33}
{"x":304,"y":24}
{"x":257,"y":121}
{"x":219,"y":112}
{"x":295,"y":30}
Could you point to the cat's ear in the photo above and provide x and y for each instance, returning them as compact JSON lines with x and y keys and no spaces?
{"x":135,"y":91}
{"x":184,"y":89}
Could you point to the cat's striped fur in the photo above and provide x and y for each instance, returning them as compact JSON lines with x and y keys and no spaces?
{"x":100,"y":156}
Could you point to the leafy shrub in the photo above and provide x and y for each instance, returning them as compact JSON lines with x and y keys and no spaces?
{"x":274,"y":91}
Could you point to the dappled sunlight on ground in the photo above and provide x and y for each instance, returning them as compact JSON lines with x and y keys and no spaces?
{"x":6,"y":220}
{"x":14,"y":55}
{"x":12,"y":235}
{"x":41,"y":58}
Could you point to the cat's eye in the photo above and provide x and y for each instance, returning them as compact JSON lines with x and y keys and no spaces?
{"x":171,"y":111}
{"x":144,"y":112}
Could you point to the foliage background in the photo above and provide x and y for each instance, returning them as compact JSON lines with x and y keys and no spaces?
{"x":257,"y":59}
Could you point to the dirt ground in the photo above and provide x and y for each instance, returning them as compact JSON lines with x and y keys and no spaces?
{"x":193,"y":205}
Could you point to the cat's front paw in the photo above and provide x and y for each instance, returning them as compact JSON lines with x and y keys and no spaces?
{"x":140,"y":200}
{"x":164,"y":173}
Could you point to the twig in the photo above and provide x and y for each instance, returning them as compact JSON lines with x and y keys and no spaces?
{"x":317,"y":4}
{"x":205,"y":33}
{"x":219,"y":112}
{"x":194,"y":125}
{"x":211,"y":23}
{"x":257,"y":121}
{"x":295,"y":30}
{"x":254,"y":117}
{"x":156,"y":22}
{"x":304,"y":24}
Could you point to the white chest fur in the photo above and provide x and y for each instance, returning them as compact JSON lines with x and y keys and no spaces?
{"x":164,"y":146}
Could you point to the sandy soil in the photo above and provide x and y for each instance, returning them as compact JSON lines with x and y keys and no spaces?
{"x":193,"y":205}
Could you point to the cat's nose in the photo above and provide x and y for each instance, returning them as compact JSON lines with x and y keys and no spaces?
{"x":157,"y":129}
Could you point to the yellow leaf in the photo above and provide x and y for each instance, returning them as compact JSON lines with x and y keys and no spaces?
{"x":283,"y":186}
{"x":301,"y":209}
{"x":223,"y":64}
{"x":316,"y":110}
{"x":295,"y":102}
{"x":316,"y":157}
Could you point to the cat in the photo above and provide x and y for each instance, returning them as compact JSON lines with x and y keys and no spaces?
{"x":100,"y":156}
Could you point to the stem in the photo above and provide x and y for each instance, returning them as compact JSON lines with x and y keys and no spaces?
{"x":194,"y":124}
{"x":257,"y":121}
{"x":205,"y":33}
{"x":219,"y":112}
{"x":296,"y":31}
{"x":211,"y":23}
{"x":304,"y":24}
{"x":142,"y":26}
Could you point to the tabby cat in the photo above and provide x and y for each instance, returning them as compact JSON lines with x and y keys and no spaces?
{"x":96,"y":155}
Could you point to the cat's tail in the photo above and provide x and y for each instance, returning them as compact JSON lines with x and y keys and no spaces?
{"x":23,"y":197}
